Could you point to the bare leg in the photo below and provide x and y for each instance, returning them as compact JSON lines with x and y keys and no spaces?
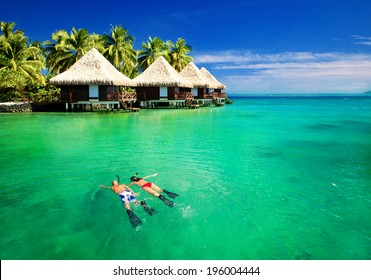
{"x":156,"y":188}
{"x":151,"y":191}
{"x":127,"y":205}
{"x":159,"y":190}
{"x":156,"y":194}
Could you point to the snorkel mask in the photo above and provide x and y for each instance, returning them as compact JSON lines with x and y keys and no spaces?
{"x":134,"y":178}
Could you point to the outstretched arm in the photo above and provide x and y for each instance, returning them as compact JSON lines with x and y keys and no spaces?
{"x":129,"y":189}
{"x":104,"y":187}
{"x":153,"y":175}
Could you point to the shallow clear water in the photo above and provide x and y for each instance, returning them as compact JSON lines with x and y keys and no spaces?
{"x":264,"y":178}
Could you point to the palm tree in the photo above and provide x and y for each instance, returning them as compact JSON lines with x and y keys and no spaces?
{"x":80,"y":42}
{"x":56,"y":53}
{"x":178,"y":54}
{"x":118,"y":49}
{"x":7,"y":29}
{"x":96,"y":41}
{"x":18,"y":55}
{"x":65,"y":49}
{"x":151,"y":50}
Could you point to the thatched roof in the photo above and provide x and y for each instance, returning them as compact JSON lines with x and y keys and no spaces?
{"x":194,"y":75}
{"x":161,"y":74}
{"x":92,"y":69}
{"x":213,"y":82}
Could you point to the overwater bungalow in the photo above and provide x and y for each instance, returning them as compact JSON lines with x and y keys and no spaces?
{"x":161,"y":85}
{"x":199,"y":82}
{"x":94,"y":80}
{"x":214,"y":87}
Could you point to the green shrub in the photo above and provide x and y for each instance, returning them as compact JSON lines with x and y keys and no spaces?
{"x":12,"y":85}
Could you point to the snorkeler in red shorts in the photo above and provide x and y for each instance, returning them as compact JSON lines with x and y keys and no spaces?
{"x":153,"y":189}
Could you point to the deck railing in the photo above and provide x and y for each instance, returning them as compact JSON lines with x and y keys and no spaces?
{"x":128,"y":95}
{"x":217,"y":94}
{"x":184,"y":95}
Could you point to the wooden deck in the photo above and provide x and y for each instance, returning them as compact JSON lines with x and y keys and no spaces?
{"x":194,"y":106}
{"x":175,"y":103}
{"x":110,"y":105}
{"x":204,"y":102}
{"x":125,"y":99}
{"x":163,"y":103}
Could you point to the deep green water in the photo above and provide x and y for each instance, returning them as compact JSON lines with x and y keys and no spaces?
{"x":264,"y":178}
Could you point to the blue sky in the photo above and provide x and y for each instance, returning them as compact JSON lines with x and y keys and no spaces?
{"x":252,"y":46}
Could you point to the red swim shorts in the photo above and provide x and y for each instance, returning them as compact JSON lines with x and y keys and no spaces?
{"x":147,"y":185}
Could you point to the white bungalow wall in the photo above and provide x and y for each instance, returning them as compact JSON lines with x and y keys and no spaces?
{"x":163,"y":93}
{"x":93,"y":91}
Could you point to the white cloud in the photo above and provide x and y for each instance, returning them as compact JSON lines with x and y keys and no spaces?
{"x":362,"y":40}
{"x":247,"y":56}
{"x":365,"y":43}
{"x":290,"y":72}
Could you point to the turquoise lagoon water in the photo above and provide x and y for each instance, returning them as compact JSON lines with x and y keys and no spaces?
{"x":264,"y":178}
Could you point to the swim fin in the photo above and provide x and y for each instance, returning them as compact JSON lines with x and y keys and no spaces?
{"x":134,"y":220}
{"x":166,"y":201}
{"x":148,"y":209}
{"x":170,"y":194}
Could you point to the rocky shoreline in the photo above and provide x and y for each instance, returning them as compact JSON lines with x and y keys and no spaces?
{"x":26,"y":107}
{"x":11,"y":107}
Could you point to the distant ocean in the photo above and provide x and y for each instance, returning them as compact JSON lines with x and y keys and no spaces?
{"x":268,"y":177}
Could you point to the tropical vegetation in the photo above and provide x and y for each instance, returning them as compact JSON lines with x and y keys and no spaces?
{"x":21,"y":63}
{"x":65,"y":49}
{"x":178,"y":54}
{"x":26,"y":66}
{"x":118,"y":49}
